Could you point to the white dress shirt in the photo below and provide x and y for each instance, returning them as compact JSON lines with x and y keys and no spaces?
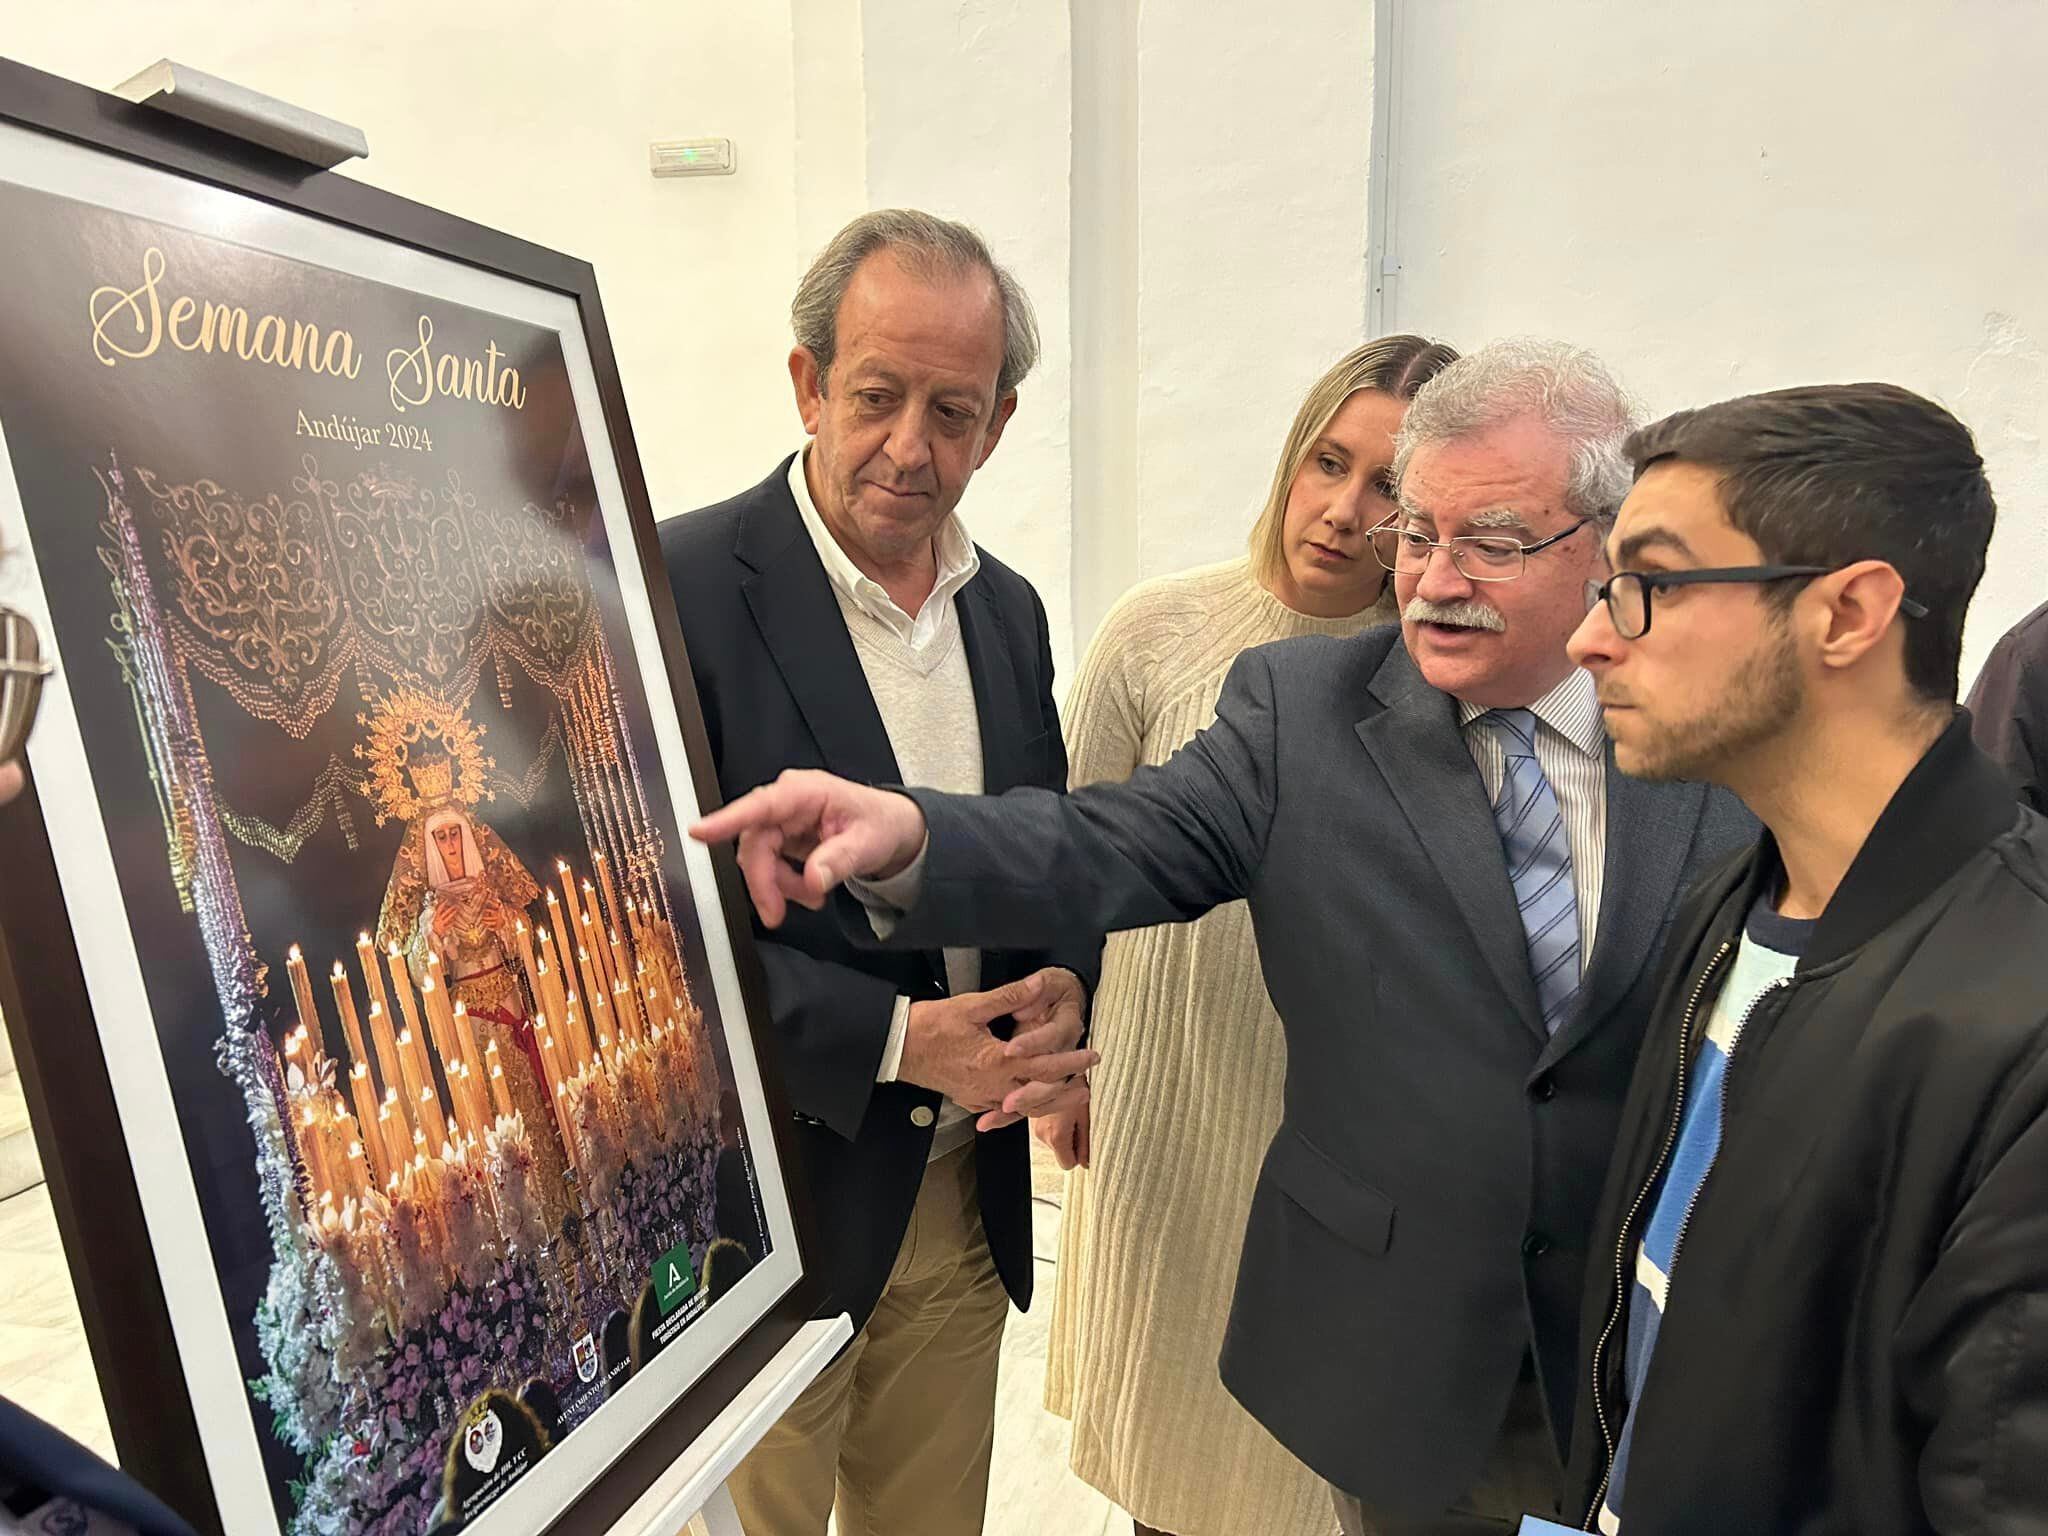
{"x":1571,"y":748}
{"x":916,"y":669}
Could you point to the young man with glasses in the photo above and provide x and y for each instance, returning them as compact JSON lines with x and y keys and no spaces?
{"x":1457,"y":906}
{"x":1819,"y":1296}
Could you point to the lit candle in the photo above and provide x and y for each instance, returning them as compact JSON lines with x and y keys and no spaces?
{"x":373,"y":973}
{"x":551,"y":1066}
{"x":568,"y":880}
{"x":590,"y":977}
{"x":552,"y":1085}
{"x":401,"y":985}
{"x":465,"y":1088}
{"x":351,"y":1026}
{"x":358,"y":1172}
{"x":622,"y":983}
{"x":391,"y":1130}
{"x":501,"y":1094}
{"x":390,"y":1078}
{"x":302,"y":994}
{"x":593,"y":934}
{"x":433,"y":1122}
{"x":625,"y":1012}
{"x":553,"y":1001}
{"x":610,"y":891}
{"x":554,"y":936}
{"x":313,"y":1149}
{"x":599,"y":1024}
{"x":364,"y":1097}
{"x":526,"y":959}
{"x":413,"y":1073}
{"x":434,"y":1003}
{"x":578,"y":1030}
{"x":592,"y":939}
{"x":472,"y":1054}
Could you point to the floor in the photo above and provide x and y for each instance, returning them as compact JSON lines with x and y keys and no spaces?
{"x":1030,"y":1489}
{"x":43,"y":1363}
{"x":44,"y":1366}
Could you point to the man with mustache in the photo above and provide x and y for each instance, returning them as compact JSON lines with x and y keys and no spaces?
{"x":1458,"y":902}
{"x":838,"y":616}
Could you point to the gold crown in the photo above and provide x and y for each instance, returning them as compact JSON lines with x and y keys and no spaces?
{"x":450,"y":765}
{"x":433,"y":780}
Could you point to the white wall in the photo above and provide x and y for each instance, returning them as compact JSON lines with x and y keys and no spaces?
{"x":1716,"y":199}
{"x":1738,"y":198}
{"x":967,"y":115}
{"x":1219,"y":182}
{"x":521,"y":118}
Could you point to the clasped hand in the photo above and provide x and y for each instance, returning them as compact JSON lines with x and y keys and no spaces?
{"x":1039,"y":1070}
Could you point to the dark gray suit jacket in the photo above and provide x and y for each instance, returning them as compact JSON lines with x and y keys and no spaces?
{"x":1422,"y":1217}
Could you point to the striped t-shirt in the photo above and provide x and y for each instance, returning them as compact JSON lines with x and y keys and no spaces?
{"x":1768,"y":954}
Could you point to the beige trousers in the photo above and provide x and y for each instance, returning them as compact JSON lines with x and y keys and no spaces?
{"x":895,"y":1436}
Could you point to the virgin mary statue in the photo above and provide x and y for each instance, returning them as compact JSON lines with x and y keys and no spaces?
{"x":456,"y":890}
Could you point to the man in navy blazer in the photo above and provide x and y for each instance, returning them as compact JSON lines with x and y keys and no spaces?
{"x":1458,"y":904}
{"x":838,"y":616}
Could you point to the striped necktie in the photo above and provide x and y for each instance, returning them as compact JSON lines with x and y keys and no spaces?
{"x":1539,"y":859}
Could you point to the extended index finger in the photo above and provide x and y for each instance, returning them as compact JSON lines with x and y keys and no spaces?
{"x":763,"y":807}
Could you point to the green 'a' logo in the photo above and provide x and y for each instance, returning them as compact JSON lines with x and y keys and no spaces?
{"x":674,"y":1279}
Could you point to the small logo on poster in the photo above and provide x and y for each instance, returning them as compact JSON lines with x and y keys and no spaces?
{"x":674,"y":1279}
{"x":586,"y":1358}
{"x":482,"y":1441}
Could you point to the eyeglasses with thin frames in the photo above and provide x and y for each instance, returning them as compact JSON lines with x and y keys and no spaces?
{"x":22,"y":670}
{"x":1478,"y":556}
{"x":1627,"y":593}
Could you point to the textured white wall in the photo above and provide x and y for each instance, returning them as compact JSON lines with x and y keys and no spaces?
{"x":1225,"y":179}
{"x":536,"y":121}
{"x":1728,"y":200}
{"x":968,"y":116}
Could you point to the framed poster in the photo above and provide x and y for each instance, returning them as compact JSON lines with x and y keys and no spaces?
{"x":399,"y":1064}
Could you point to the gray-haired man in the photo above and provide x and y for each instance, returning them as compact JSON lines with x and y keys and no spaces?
{"x":1457,"y":901}
{"x":838,"y":616}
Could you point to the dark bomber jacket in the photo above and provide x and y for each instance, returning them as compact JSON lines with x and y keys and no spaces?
{"x":1855,"y":1338}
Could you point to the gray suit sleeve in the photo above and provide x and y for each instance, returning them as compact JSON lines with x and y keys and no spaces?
{"x":1031,"y":868}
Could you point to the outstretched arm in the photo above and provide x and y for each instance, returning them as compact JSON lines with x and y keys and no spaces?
{"x":1032,"y":867}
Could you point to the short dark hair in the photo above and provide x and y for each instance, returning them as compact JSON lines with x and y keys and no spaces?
{"x":1828,"y":474}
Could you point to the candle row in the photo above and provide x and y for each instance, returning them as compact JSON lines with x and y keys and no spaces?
{"x":409,"y":1120}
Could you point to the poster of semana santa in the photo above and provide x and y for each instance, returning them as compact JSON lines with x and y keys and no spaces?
{"x":420,"y":1011}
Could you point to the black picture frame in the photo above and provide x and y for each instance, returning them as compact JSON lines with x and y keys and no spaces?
{"x":43,"y":991}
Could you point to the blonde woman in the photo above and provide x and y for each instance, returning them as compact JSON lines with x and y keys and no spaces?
{"x":1187,"y":1096}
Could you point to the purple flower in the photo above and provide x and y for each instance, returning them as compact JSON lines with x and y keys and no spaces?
{"x":412,"y":1354}
{"x":438,"y":1349}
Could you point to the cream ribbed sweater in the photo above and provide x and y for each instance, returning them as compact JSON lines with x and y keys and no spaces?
{"x":1186,"y":1100}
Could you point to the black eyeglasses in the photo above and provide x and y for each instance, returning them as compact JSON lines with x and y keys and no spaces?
{"x":1478,"y":556}
{"x":1627,"y":593}
{"x":22,"y":670}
